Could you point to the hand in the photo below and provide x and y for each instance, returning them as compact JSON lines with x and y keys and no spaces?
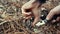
{"x":57,"y":20}
{"x":24,"y":9}
{"x":34,"y":7}
{"x":33,"y":24}
{"x":55,"y":11}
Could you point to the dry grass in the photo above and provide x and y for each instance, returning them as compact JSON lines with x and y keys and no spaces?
{"x":15,"y":23}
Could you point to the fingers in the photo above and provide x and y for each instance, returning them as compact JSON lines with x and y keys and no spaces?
{"x":36,"y":15}
{"x":58,"y":19}
{"x":53,"y":12}
{"x":50,"y":15}
{"x":24,"y":12}
{"x":53,"y":21}
{"x":28,"y":17}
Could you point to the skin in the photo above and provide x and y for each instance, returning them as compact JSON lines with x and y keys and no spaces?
{"x":54,"y":11}
{"x":33,"y":6}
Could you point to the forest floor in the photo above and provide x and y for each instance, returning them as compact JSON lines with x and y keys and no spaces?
{"x":12,"y":22}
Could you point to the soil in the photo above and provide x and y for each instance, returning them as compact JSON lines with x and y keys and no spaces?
{"x":12,"y":21}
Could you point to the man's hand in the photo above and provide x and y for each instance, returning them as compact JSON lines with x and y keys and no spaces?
{"x":53,"y":16}
{"x":33,"y":10}
{"x":56,"y":20}
{"x":27,"y":6}
{"x":55,"y":11}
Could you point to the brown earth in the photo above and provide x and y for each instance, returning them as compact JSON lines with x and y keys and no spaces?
{"x":12,"y":21}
